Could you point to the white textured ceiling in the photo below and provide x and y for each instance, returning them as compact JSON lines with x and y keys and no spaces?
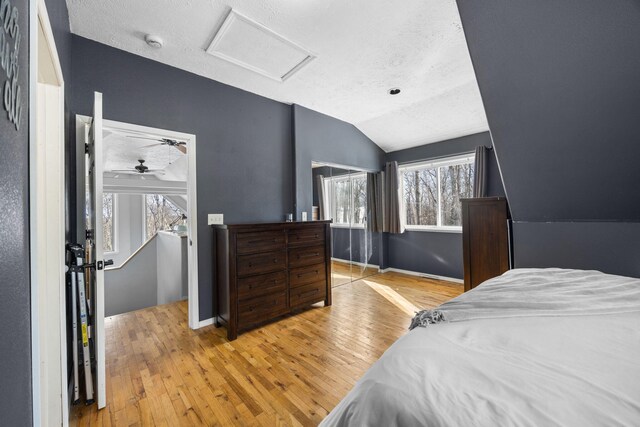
{"x":362,"y":48}
{"x":122,"y":152}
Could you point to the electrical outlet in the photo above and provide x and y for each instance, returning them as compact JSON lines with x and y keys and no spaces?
{"x":215,"y":219}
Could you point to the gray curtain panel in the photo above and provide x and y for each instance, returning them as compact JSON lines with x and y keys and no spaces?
{"x":322,"y":214}
{"x":374,"y":202}
{"x":392,"y":215}
{"x":480,"y":172}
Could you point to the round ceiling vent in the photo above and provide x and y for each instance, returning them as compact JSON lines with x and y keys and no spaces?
{"x":153,"y":41}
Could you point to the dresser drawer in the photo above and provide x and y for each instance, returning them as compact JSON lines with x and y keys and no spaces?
{"x":260,"y":241}
{"x":307,"y":235}
{"x":306,"y":255}
{"x":263,"y":284}
{"x":261,"y":263}
{"x":263,"y":308}
{"x":307,"y":294}
{"x":304,"y":275}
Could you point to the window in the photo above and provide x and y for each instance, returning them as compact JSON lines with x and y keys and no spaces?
{"x":347,"y":196}
{"x":160,"y":214}
{"x":108,"y":229}
{"x":431,"y":192}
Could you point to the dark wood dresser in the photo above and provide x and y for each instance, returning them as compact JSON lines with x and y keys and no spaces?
{"x":485,"y":239}
{"x":264,"y":271}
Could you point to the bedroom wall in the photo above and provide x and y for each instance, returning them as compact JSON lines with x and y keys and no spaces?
{"x":15,"y":294}
{"x":560,"y":85}
{"x":430,"y":252}
{"x":318,"y":137}
{"x":244,"y":141}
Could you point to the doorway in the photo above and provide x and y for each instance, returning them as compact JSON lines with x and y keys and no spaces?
{"x":142,"y":207}
{"x":47,"y":223}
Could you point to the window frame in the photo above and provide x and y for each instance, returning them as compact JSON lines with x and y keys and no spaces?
{"x":330,"y":182}
{"x":460,"y":159}
{"x":144,"y":214}
{"x":114,"y":231}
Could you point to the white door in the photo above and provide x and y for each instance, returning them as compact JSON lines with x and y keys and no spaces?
{"x":94,"y":245}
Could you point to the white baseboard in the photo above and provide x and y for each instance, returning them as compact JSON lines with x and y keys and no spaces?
{"x":205,"y":322}
{"x":360,"y":264}
{"x":428,"y":276}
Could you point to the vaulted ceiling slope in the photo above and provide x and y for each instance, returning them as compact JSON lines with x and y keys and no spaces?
{"x":560,"y":82}
{"x":362,"y":48}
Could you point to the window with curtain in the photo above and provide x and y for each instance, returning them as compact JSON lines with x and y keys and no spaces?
{"x":431,"y":192}
{"x":347,"y":196}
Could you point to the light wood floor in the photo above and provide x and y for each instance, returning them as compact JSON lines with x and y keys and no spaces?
{"x":291,"y":372}
{"x":343,"y":272}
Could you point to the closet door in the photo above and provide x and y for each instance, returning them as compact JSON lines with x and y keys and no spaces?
{"x":339,"y":194}
{"x":361,"y":236}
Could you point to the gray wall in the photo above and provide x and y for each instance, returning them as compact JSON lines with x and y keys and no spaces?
{"x":560,"y":85}
{"x":243,"y":140}
{"x":15,"y":311}
{"x":575,"y":245}
{"x":318,"y":137}
{"x":437,"y":253}
{"x":321,"y":138}
{"x":135,"y":285}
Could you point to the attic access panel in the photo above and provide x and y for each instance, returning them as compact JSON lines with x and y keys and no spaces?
{"x":253,"y":46}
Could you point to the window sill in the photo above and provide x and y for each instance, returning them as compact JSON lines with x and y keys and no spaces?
{"x":434,"y":229}
{"x":356,"y":227}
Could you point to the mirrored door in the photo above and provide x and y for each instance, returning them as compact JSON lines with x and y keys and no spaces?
{"x":341,"y":194}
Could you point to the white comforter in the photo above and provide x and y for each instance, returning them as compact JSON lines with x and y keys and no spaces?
{"x":548,"y":364}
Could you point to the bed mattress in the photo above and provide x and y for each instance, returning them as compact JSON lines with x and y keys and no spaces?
{"x":569,"y":356}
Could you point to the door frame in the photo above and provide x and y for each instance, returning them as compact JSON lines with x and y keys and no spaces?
{"x":47,"y":235}
{"x":192,"y":205}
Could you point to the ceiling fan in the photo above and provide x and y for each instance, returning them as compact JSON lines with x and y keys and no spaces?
{"x":141,"y":168}
{"x":180,"y":145}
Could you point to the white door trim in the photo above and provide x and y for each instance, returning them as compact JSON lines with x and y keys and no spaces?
{"x":192,"y":206}
{"x":47,"y":225}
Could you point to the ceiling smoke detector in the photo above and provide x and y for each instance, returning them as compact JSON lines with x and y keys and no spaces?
{"x":153,"y":41}
{"x":394,"y":91}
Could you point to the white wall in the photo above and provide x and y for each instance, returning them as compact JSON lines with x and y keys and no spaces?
{"x":172,"y":267}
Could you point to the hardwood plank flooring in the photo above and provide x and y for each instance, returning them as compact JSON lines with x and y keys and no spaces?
{"x":290,"y":373}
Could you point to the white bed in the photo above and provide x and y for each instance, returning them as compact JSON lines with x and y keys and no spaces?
{"x":533,"y":347}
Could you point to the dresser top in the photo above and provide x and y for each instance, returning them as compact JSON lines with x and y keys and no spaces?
{"x":257,"y":225}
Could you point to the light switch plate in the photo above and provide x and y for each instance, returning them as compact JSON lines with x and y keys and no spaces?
{"x":215,"y":219}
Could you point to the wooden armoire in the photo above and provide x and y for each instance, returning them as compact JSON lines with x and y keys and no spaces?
{"x":485,"y":239}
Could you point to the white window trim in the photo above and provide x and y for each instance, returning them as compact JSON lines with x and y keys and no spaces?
{"x":434,"y":164}
{"x":434,"y":228}
{"x":114,"y":232}
{"x":346,"y":177}
{"x":144,"y":214}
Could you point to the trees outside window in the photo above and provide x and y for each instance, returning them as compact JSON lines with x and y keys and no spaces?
{"x":160,"y":214}
{"x":108,"y":205}
{"x":432,"y":192}
{"x":347,"y":199}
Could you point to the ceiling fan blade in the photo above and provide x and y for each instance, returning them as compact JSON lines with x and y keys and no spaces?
{"x":121,"y":170}
{"x":182,"y":148}
{"x":152,"y":145}
{"x":144,"y":137}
